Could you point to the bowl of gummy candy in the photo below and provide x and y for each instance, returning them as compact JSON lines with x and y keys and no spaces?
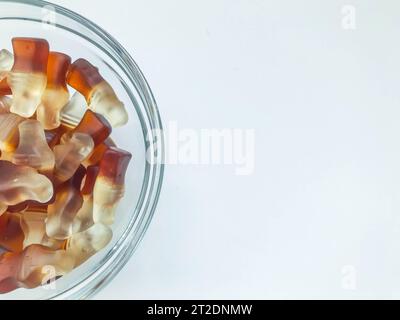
{"x":80,"y":173}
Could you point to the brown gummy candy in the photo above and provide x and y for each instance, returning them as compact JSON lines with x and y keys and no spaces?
{"x":28,"y":77}
{"x":3,"y":208}
{"x":70,"y":155}
{"x":6,"y":63}
{"x":93,"y":124}
{"x":100,"y":96}
{"x":84,"y":218}
{"x":36,"y":265}
{"x":98,"y":152}
{"x":56,"y":95}
{"x":11,"y":234}
{"x":109,"y":187}
{"x":30,"y":55}
{"x":52,"y":226}
{"x":21,"y":183}
{"x":114,"y":164}
{"x":20,"y":207}
{"x":9,"y":135}
{"x":5,"y":104}
{"x":90,"y":179}
{"x":33,"y":149}
{"x":5,"y":89}
{"x":39,"y":207}
{"x":68,"y":202}
{"x":83,"y":77}
{"x":31,"y":205}
{"x":53,"y":137}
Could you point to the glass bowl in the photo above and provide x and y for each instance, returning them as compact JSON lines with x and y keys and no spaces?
{"x":74,"y":35}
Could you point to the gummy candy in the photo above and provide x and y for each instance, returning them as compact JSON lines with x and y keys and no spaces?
{"x":6,"y":63}
{"x":100,"y":96}
{"x":9,"y":136}
{"x":36,"y":265}
{"x":85,"y":244}
{"x":109,"y":187}
{"x":33,"y":225}
{"x":28,"y":77}
{"x":53,"y":137}
{"x":84,"y":217}
{"x":56,"y":95}
{"x":68,"y":202}
{"x":20,"y":207}
{"x":98,"y":152}
{"x":73,"y":112}
{"x":4,"y":87}
{"x":11,"y":234}
{"x":61,"y":174}
{"x":33,"y":149}
{"x":93,"y":124}
{"x":21,"y":183}
{"x":5,"y":104}
{"x":3,"y":208}
{"x":70,"y":155}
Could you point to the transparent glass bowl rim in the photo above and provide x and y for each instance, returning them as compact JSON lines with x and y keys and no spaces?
{"x":154,"y":171}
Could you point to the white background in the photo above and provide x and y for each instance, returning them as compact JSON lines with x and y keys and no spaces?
{"x":323,"y":205}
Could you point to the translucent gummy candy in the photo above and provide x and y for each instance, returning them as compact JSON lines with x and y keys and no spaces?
{"x":84,"y":217}
{"x":33,"y":225}
{"x":28,"y":77}
{"x":21,"y":183}
{"x":56,"y":95}
{"x":34,"y":266}
{"x":61,"y":175}
{"x":3,"y":208}
{"x":100,"y":96}
{"x":109,"y":187}
{"x":11,"y":235}
{"x":33,"y":149}
{"x":5,"y":104}
{"x":70,"y":155}
{"x":73,"y":112}
{"x":30,"y":206}
{"x":9,"y":136}
{"x":98,"y":152}
{"x":53,"y":137}
{"x":85,"y":244}
{"x":6,"y":63}
{"x":4,"y":87}
{"x":18,"y":208}
{"x":62,"y":212}
{"x":93,"y":124}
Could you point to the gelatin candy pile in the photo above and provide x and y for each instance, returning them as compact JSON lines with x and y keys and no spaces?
{"x":61,"y":175}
